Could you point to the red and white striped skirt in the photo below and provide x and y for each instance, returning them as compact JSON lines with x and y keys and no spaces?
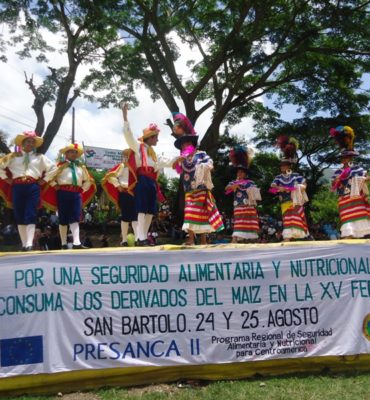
{"x":246,"y":222}
{"x":201,"y":213}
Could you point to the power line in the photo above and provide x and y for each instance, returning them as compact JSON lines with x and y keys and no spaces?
{"x":17,"y":113}
{"x":19,"y":122}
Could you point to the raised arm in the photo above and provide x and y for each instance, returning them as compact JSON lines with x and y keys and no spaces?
{"x":131,"y":141}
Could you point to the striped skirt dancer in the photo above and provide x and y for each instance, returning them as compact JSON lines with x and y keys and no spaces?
{"x":201,"y":213}
{"x":294,"y":221}
{"x":246,"y":222}
{"x":354,"y":213}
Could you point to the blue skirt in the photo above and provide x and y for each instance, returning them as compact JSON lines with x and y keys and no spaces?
{"x":69,"y":207}
{"x":146,"y":195}
{"x":26,"y":199}
{"x":127,"y":206}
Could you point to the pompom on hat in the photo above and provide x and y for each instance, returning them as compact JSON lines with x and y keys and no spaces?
{"x":189,"y":134}
{"x":344,"y":136}
{"x":241,"y":157}
{"x":28,"y":135}
{"x":72,"y":146}
{"x":288,"y":149}
{"x":150,"y":131}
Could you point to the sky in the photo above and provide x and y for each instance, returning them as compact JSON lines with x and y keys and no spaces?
{"x":93,"y":126}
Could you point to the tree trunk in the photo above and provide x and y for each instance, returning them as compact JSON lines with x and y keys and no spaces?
{"x":210,"y":140}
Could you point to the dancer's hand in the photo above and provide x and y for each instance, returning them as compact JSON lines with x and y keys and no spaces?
{"x":124,"y":108}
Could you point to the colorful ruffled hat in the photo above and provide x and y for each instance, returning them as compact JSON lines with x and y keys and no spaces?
{"x":72,"y":146}
{"x":288,"y":149}
{"x":28,"y":135}
{"x":344,"y":136}
{"x":241,"y":157}
{"x":189,"y":134}
{"x":150,"y":131}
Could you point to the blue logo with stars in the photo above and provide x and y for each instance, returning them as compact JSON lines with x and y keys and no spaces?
{"x":21,"y":351}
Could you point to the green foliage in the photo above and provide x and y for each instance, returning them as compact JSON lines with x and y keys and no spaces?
{"x":264,"y":168}
{"x":76,"y":25}
{"x":297,"y":52}
{"x":310,"y":54}
{"x":350,"y":386}
{"x":98,"y":175}
{"x":324,"y":207}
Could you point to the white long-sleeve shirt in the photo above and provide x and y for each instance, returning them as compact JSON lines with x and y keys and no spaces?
{"x":162,"y":162}
{"x":65,"y":177}
{"x":37,"y":166}
{"x":120,"y":178}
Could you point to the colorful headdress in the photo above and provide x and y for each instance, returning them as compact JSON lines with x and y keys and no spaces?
{"x":28,"y":135}
{"x":241,"y":157}
{"x":344,"y":136}
{"x":288,"y":148}
{"x":189,"y":134}
{"x":72,"y":146}
{"x":150,"y":131}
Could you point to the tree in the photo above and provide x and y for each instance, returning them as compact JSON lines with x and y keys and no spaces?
{"x":324,"y":207}
{"x":306,"y":53}
{"x":75,"y":25}
{"x":3,"y":147}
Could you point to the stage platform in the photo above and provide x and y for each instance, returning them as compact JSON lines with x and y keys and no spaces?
{"x":81,"y":319}
{"x":173,"y":247}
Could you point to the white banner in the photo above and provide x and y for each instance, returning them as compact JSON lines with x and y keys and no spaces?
{"x":72,"y":311}
{"x":98,"y":157}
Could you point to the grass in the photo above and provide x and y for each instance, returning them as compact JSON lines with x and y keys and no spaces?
{"x":318,"y":387}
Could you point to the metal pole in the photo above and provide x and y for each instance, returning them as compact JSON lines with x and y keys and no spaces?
{"x":73,"y":124}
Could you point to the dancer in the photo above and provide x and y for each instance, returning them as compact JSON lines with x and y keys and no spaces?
{"x":349,"y":182}
{"x":21,"y":175}
{"x":291,"y":188}
{"x":201,"y":215}
{"x":246,"y":195}
{"x":148,"y":165}
{"x":119,"y":185}
{"x":70,"y":189}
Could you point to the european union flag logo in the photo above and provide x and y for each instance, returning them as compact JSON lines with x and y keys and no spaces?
{"x":21,"y":351}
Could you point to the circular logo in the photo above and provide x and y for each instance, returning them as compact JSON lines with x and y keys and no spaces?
{"x":366,"y":327}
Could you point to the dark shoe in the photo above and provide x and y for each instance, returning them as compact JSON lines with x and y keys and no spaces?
{"x":65,"y":247}
{"x":142,"y":243}
{"x":124,"y":244}
{"x":24,"y":248}
{"x":29,"y":248}
{"x":79,"y":246}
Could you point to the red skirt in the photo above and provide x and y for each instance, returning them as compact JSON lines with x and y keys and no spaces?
{"x":201,"y":213}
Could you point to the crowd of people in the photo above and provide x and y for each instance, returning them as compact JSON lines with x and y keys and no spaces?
{"x":66,"y":189}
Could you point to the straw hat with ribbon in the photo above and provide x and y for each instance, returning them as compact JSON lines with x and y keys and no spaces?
{"x":28,"y":135}
{"x":72,"y":146}
{"x":150,"y":131}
